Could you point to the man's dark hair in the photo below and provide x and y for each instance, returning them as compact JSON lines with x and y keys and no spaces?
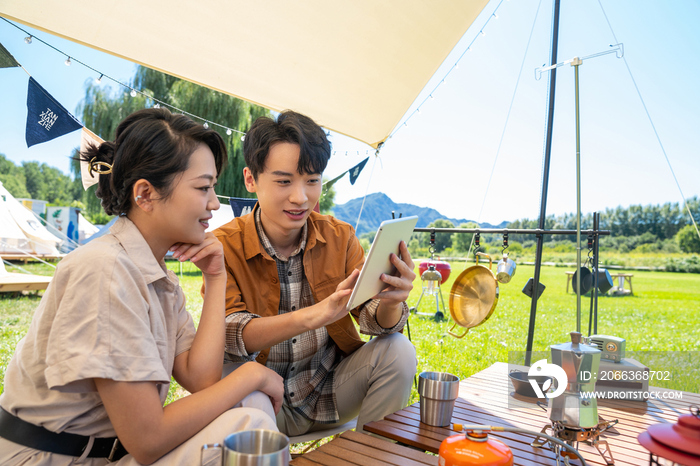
{"x":292,"y":127}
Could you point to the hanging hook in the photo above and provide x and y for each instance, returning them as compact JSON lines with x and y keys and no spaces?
{"x":505,"y":243}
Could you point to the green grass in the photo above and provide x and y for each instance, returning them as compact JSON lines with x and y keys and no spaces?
{"x":661,"y":317}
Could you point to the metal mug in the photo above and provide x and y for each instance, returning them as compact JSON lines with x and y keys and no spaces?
{"x":438,"y":392}
{"x":257,"y":447}
{"x":505,"y":269}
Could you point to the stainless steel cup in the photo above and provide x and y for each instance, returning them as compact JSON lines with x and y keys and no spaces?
{"x":438,"y":392}
{"x":505,"y":269}
{"x":258,"y":447}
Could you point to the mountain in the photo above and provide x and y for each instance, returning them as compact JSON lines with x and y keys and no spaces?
{"x":378,"y":207}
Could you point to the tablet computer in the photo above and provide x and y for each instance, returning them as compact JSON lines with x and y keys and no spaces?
{"x":386,"y":241}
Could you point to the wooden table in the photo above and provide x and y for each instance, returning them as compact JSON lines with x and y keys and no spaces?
{"x":621,"y":278}
{"x":485,"y":398}
{"x":352,"y":448}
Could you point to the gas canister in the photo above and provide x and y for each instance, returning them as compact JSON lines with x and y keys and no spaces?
{"x":473,"y":448}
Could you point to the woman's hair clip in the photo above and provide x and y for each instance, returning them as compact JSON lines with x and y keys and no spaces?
{"x":101,"y":168}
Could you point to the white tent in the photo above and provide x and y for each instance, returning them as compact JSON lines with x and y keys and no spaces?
{"x":85,"y":228}
{"x":220,"y":217}
{"x":20,"y":231}
{"x":354,"y":66}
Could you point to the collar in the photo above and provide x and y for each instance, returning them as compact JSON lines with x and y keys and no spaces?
{"x":267,"y":244}
{"x":136,"y":247}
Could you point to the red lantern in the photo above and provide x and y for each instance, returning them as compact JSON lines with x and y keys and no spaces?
{"x":443,"y":267}
{"x":679,"y":442}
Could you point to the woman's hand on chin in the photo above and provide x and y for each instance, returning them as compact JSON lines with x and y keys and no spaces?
{"x":207,"y":255}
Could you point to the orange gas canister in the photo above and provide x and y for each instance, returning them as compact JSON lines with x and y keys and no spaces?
{"x":474,"y":448}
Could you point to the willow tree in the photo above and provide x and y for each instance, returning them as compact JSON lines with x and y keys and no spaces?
{"x":101,"y":112}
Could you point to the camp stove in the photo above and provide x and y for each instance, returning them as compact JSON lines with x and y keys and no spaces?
{"x":573,"y":436}
{"x":574,"y":412}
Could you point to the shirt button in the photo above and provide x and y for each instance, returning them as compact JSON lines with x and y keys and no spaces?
{"x":294,"y":340}
{"x":274,"y":279}
{"x":289,"y":274}
{"x":294,"y":308}
{"x":291,"y":369}
{"x":291,"y":395}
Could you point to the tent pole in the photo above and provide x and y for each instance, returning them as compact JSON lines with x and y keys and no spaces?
{"x":545,"y":182}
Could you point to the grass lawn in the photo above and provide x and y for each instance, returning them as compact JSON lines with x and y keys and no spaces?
{"x":662,"y":317}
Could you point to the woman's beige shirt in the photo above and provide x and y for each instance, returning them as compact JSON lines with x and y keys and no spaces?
{"x":111,"y":311}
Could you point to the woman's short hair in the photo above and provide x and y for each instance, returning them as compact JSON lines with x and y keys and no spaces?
{"x":292,"y":127}
{"x":151,"y":144}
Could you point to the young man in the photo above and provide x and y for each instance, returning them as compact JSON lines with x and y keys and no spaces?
{"x":290,"y":275}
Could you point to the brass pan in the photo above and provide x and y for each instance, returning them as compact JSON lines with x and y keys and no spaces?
{"x":474,"y":296}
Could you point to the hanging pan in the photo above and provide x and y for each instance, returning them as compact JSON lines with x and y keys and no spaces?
{"x":474,"y":296}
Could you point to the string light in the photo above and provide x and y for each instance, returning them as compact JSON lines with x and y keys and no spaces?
{"x":67,"y":62}
{"x":133,"y":93}
{"x":99,"y":80}
{"x":156,"y":105}
{"x":28,"y":39}
{"x":228,"y":131}
{"x":206,"y":125}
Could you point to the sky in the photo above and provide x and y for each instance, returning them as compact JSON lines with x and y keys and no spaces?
{"x":475,"y":150}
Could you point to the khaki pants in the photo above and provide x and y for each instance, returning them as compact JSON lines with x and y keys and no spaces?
{"x":188,"y":453}
{"x":371,"y":383}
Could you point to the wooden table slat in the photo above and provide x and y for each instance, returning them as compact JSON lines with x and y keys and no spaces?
{"x":390,"y":447}
{"x":359,"y":449}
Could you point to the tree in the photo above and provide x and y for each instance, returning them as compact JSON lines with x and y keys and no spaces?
{"x":102,"y":112}
{"x":12,"y":178}
{"x":442,"y":240}
{"x":462,"y":241}
{"x":327,"y":200}
{"x":688,"y":240}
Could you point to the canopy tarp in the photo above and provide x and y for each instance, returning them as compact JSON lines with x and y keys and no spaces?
{"x":354,"y":66}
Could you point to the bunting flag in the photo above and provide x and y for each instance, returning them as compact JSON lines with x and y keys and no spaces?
{"x":6,"y":58}
{"x":88,"y":138}
{"x":242,"y":205}
{"x":355,"y":171}
{"x":46,"y":118}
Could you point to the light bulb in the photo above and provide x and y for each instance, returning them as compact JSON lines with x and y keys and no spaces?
{"x":228,"y":132}
{"x":482,"y":33}
{"x":133,"y":93}
{"x":156,"y":105}
{"x":495,"y":15}
{"x":206,"y":125}
{"x":99,"y":80}
{"x":67,"y":62}
{"x":243,"y":138}
{"x":28,"y":39}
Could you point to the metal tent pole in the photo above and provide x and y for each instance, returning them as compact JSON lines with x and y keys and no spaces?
{"x":545,"y":183}
{"x":576,"y":63}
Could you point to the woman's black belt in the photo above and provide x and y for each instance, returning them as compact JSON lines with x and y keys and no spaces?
{"x":24,"y":433}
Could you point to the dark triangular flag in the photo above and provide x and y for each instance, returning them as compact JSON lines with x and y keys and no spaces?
{"x":46,"y":118}
{"x":355,"y":171}
{"x":6,"y":58}
{"x":241,"y":205}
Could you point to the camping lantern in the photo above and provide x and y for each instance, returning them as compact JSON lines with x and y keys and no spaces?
{"x":674,"y":443}
{"x":431,"y":280}
{"x":433,"y":273}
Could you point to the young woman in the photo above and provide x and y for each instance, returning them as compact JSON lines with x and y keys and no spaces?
{"x":112,"y":326}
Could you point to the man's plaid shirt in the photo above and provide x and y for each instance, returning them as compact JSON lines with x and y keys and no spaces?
{"x":306,"y":361}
